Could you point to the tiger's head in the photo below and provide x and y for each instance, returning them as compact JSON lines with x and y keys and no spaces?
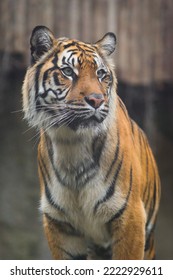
{"x":69,"y":83}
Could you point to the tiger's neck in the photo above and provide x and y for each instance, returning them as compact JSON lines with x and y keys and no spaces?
{"x":73,"y":143}
{"x":75,"y":158}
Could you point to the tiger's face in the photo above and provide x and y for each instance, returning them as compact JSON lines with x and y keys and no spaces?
{"x":69,"y":83}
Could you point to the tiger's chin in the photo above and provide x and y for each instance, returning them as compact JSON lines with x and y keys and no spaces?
{"x":76,"y":124}
{"x":92,"y":122}
{"x":87,"y":128}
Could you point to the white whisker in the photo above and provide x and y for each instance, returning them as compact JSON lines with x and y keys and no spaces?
{"x":55,"y":120}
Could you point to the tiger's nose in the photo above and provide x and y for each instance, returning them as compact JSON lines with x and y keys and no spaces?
{"x":95,"y":100}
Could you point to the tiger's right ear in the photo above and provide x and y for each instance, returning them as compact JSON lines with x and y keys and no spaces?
{"x":41,"y":41}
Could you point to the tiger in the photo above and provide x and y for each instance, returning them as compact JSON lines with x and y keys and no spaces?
{"x":99,"y":182}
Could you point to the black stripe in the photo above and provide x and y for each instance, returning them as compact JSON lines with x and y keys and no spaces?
{"x":69,"y":45}
{"x":45,"y":75}
{"x":147,"y":189}
{"x":38,"y":106}
{"x":43,"y":95}
{"x":104,"y":110}
{"x":55,"y":77}
{"x":50,"y":152}
{"x":73,"y":65}
{"x":79,"y":257}
{"x":115,"y":157}
{"x":68,"y":60}
{"x":86,"y":170}
{"x":80,"y":182}
{"x":148,"y":237}
{"x":86,"y":175}
{"x":144,"y":193}
{"x":64,"y":227}
{"x":74,"y":51}
{"x":147,"y":194}
{"x":152,"y":205}
{"x":100,"y":252}
{"x":51,"y":201}
{"x":151,"y":250}
{"x":98,"y":146}
{"x":55,"y":59}
{"x":111,"y":189}
{"x":47,"y":191}
{"x":37,"y":74}
{"x":152,"y":197}
{"x":122,"y":209}
{"x":44,"y":167}
{"x":59,"y":97}
{"x":147,"y":165}
{"x":74,"y":257}
{"x":88,"y":51}
{"x":79,"y":109}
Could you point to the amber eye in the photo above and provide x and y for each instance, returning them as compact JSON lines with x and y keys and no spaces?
{"x":68,"y":71}
{"x":101,"y":73}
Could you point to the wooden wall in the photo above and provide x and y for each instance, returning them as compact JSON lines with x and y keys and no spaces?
{"x":143,"y":29}
{"x":145,"y":40}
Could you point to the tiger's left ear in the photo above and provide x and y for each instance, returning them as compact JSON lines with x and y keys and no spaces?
{"x":107,"y":43}
{"x":41,"y":41}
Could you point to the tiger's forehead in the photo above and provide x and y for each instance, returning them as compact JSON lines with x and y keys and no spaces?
{"x":77,"y":53}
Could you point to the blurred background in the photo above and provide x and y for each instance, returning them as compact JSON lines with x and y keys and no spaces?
{"x":144,"y":66}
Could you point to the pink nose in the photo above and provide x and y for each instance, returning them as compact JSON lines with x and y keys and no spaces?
{"x":95,"y":100}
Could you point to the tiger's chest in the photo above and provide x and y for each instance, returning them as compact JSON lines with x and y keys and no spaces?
{"x":77,"y":191}
{"x":76,"y":184}
{"x":74,"y":200}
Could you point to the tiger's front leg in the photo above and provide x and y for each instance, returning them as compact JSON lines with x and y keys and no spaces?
{"x":128,"y":235}
{"x":64,"y":241}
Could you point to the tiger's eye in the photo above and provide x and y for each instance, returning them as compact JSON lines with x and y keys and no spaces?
{"x":68,"y":71}
{"x":101,"y":73}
